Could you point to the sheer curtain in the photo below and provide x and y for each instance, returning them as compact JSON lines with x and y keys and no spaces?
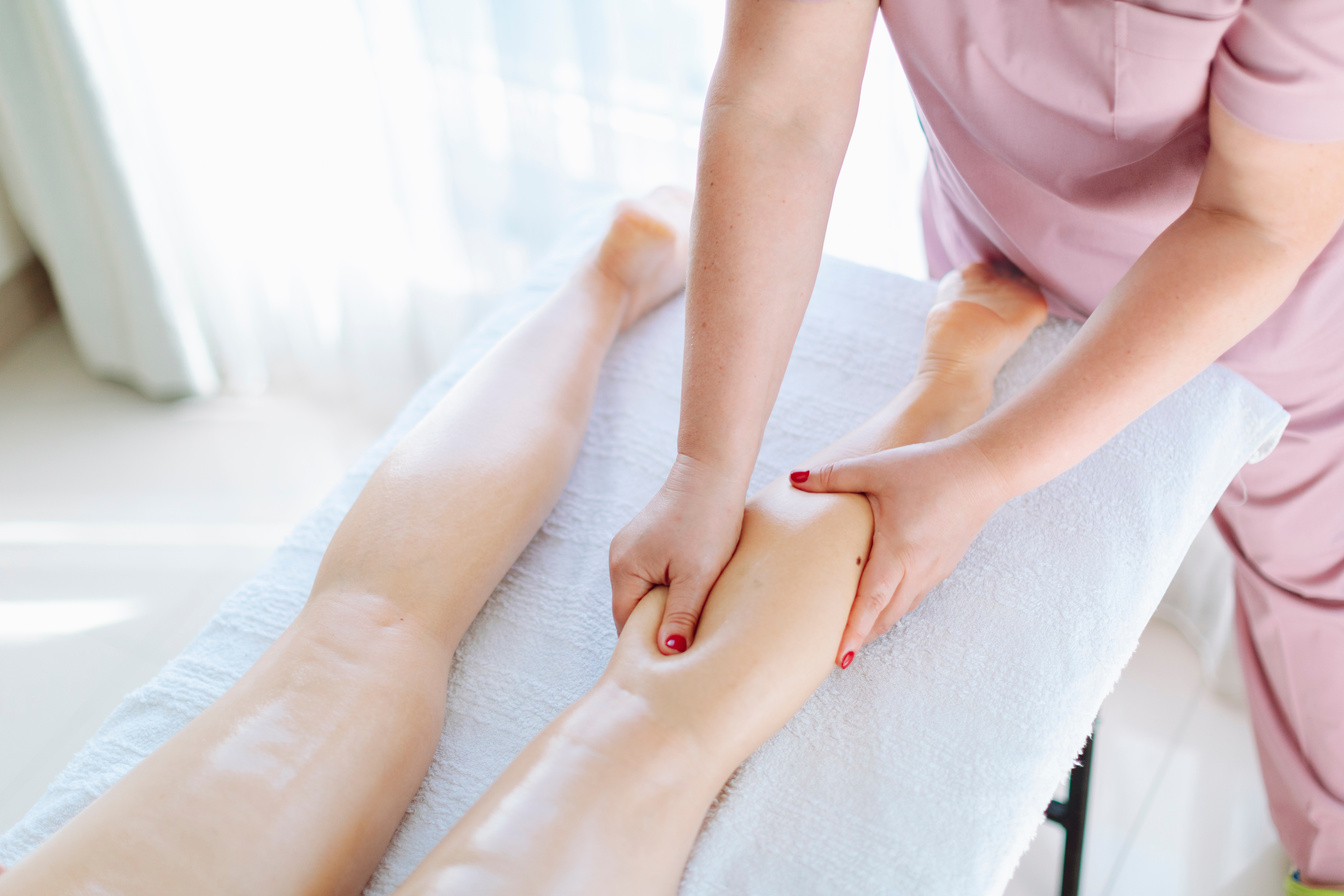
{"x":329,"y":192}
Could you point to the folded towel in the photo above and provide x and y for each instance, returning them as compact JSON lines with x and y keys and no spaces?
{"x":923,"y":768}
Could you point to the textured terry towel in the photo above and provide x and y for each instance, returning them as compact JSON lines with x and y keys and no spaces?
{"x":923,"y":768}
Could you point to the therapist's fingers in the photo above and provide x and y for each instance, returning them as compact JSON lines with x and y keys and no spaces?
{"x":842,"y":476}
{"x":629,"y":581}
{"x":903,"y":601}
{"x":681,"y":614}
{"x":881,"y":575}
{"x":627,"y":590}
{"x":907,"y":597}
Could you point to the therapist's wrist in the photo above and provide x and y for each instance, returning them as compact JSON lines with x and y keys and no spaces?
{"x":981,"y":466}
{"x":718,"y":449}
{"x":722,"y":473}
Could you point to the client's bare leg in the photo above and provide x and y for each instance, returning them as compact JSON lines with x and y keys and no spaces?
{"x":608,"y":799}
{"x":295,"y":779}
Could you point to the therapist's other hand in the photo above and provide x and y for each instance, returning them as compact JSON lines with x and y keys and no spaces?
{"x":929,"y":502}
{"x":683,"y":539}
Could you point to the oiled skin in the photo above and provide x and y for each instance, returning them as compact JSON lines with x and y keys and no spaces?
{"x":295,"y":779}
{"x":609,"y":797}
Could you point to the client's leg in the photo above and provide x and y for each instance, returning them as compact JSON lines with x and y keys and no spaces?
{"x":295,"y":779}
{"x":608,"y":799}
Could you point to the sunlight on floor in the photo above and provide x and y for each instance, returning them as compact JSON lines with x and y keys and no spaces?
{"x":25,"y":621}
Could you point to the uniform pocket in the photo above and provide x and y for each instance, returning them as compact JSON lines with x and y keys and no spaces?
{"x":1162,"y":62}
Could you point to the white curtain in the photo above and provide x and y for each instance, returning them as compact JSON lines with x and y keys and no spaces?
{"x":14,"y":249}
{"x":329,"y":192}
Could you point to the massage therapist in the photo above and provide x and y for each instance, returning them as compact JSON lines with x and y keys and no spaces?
{"x":1170,"y":172}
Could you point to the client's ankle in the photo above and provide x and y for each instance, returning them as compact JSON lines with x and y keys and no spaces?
{"x":947,"y":401}
{"x":982,"y":316}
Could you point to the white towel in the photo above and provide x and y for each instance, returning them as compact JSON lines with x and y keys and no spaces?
{"x":923,"y":768}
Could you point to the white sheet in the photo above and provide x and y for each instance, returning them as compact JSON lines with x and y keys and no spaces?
{"x":926,"y":766}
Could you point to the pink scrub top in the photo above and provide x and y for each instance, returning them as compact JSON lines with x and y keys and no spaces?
{"x":1065,"y":135}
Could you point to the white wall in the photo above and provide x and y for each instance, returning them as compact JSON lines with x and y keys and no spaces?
{"x":14,"y":250}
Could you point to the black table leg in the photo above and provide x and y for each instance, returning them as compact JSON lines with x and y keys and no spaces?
{"x":1071,"y":815}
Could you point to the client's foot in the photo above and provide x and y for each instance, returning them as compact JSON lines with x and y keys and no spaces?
{"x":645,"y":250}
{"x":983,"y":315}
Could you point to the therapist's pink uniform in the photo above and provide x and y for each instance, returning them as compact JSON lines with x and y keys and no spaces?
{"x":1065,"y":135}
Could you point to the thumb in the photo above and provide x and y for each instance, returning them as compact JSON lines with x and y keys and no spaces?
{"x":842,"y":476}
{"x":685,"y":599}
{"x":882,"y":574}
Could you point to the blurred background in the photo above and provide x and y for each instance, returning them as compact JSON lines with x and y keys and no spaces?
{"x":326,"y":195}
{"x":234,"y":238}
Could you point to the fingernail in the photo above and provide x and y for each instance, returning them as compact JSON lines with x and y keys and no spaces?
{"x":799,"y":475}
{"x":676,"y":643}
{"x":846,"y":660}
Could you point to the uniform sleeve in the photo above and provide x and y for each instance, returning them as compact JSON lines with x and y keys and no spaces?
{"x":1280,"y":69}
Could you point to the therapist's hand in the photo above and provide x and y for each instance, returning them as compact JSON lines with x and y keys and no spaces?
{"x":682,"y":539}
{"x":929,"y":502}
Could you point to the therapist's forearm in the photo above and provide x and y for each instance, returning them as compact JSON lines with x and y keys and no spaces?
{"x":1263,"y":210}
{"x":763,"y":197}
{"x":1202,"y":286}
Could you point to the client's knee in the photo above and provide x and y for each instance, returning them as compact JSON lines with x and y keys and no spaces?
{"x":366,"y":644}
{"x":680,"y":696}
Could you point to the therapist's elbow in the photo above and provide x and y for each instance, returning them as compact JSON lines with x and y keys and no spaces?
{"x":777,"y":122}
{"x":1284,"y":245}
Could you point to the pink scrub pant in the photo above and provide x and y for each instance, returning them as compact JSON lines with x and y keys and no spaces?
{"x":1283,"y":518}
{"x":1286,"y":532}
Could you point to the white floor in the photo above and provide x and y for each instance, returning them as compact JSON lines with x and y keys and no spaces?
{"x":1176,"y":805}
{"x":124,"y":523}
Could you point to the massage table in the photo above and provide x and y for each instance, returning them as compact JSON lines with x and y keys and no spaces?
{"x":926,"y":766}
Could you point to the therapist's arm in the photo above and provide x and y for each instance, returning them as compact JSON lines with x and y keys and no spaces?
{"x":1263,"y":211}
{"x":777,"y":121}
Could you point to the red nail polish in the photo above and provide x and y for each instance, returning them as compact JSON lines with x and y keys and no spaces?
{"x":676,"y":643}
{"x":799,"y":475}
{"x":846,"y":660}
